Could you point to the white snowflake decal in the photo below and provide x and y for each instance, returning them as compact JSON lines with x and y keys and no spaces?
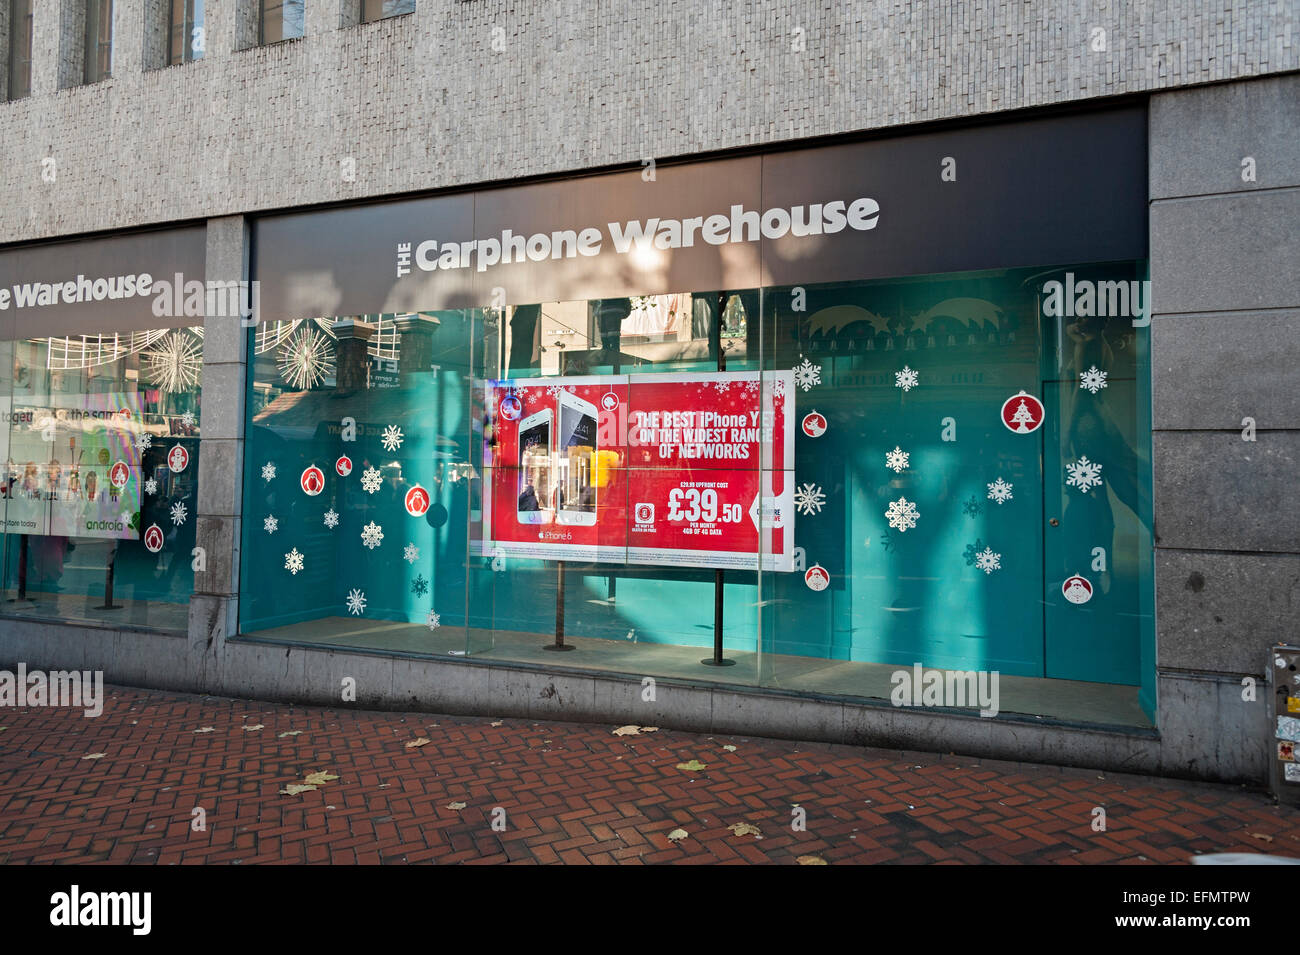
{"x":179,"y":513}
{"x":1092,"y":380}
{"x":356,"y":602}
{"x":393,"y":437}
{"x":1084,"y":474}
{"x":1000,"y":491}
{"x":778,"y":387}
{"x":806,"y":374}
{"x":146,"y":441}
{"x":897,"y":459}
{"x":293,"y":561}
{"x":331,"y":518}
{"x":902,"y":514}
{"x":271,"y":525}
{"x":151,"y":486}
{"x":722,"y":387}
{"x":988,"y":561}
{"x":188,"y":419}
{"x":410,"y":553}
{"x":907,"y":379}
{"x":371,"y":480}
{"x":751,"y":387}
{"x":372,"y":534}
{"x":809,"y":499}
{"x":434,"y":620}
{"x":268,"y":471}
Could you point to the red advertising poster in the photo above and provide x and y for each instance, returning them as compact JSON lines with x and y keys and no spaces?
{"x":683,"y":470}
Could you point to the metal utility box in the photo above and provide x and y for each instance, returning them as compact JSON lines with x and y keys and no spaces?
{"x":1284,"y":748}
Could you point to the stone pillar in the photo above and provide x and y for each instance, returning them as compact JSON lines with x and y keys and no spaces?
{"x":1226,"y":415}
{"x":214,"y":607}
{"x":351,"y":361}
{"x":416,"y":344}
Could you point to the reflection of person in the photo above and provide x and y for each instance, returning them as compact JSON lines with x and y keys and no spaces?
{"x":537,"y":492}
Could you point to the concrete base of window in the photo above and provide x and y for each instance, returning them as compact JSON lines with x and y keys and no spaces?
{"x":1207,"y":730}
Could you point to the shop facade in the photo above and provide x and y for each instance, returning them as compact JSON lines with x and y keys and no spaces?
{"x":722,"y":443}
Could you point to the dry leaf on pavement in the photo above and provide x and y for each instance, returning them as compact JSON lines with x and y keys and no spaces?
{"x":102,"y":755}
{"x":294,"y":789}
{"x":249,"y":729}
{"x":289,"y":733}
{"x":631,"y":730}
{"x":318,"y":778}
{"x":677,"y":835}
{"x":745,"y":829}
{"x":456,"y":805}
{"x":810,"y":860}
{"x":729,"y":748}
{"x":206,"y":729}
{"x":694,"y":766}
{"x":421,"y":741}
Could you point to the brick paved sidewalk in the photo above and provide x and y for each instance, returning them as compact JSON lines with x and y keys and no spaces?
{"x":572,"y":793}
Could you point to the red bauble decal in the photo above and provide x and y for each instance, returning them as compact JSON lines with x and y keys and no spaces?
{"x":1022,"y":413}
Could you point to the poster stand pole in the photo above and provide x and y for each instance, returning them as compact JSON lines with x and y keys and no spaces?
{"x":22,"y":568}
{"x":559,"y":643}
{"x":717,"y":660}
{"x":108,"y":582}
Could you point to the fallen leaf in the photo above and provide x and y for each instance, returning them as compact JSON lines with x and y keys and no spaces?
{"x":206,"y":729}
{"x":694,"y":766}
{"x":289,"y":733}
{"x":649,"y":729}
{"x":1254,"y":835}
{"x":810,"y":860}
{"x":249,"y":729}
{"x":456,"y":805}
{"x":729,"y":748}
{"x":294,"y":789}
{"x":102,"y":755}
{"x":745,"y":829}
{"x":631,"y":730}
{"x":677,"y":835}
{"x":497,"y":723}
{"x":318,"y":778}
{"x":422,"y":741}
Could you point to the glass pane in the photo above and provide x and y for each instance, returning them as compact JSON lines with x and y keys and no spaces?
{"x":101,"y":451}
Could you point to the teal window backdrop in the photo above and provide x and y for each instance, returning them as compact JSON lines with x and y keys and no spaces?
{"x":948,"y":535}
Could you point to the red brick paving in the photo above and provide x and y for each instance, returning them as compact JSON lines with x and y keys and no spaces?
{"x":572,"y":793}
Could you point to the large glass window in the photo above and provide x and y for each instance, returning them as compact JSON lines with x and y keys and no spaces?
{"x":100,"y":448}
{"x":820,"y":485}
{"x":99,"y":40}
{"x":20,"y":48}
{"x":186,"y":36}
{"x":281,"y":20}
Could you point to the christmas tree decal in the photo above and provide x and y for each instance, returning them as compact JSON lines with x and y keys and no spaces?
{"x":1022,"y":417}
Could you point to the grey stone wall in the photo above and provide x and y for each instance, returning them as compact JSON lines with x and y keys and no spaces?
{"x":1225,"y":343}
{"x":462,"y":93}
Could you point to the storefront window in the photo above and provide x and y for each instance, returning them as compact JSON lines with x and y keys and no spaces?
{"x":100,"y":444}
{"x":836,"y":480}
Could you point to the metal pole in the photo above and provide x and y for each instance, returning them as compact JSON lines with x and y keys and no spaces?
{"x":717,"y":660}
{"x":108,"y":581}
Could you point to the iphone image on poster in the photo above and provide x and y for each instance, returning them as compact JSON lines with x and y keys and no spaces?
{"x":575,"y":460}
{"x":536,"y":486}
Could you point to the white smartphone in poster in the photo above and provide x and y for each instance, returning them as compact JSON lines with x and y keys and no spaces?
{"x":575,"y":453}
{"x":536,"y":485}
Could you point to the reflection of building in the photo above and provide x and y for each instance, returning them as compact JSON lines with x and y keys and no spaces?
{"x":939,"y":258}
